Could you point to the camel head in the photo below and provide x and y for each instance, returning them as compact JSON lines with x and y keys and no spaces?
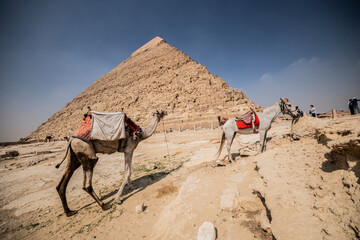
{"x":160,"y":115}
{"x":287,"y":107}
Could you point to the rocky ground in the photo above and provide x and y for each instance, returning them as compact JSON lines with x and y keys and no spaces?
{"x":306,"y":188}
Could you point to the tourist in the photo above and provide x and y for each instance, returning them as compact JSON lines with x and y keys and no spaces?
{"x":351,"y":107}
{"x":355,"y":105}
{"x":299,"y":112}
{"x":312,"y":111}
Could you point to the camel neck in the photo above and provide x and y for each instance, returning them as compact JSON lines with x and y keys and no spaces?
{"x":150,"y":129}
{"x":274,"y":111}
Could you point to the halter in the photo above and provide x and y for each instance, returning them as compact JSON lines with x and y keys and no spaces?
{"x":160,"y":115}
{"x":284,"y":108}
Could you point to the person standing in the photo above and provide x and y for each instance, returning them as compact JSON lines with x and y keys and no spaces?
{"x":299,"y":112}
{"x":298,"y":115}
{"x":351,"y":107}
{"x":312,"y":111}
{"x":355,"y":105}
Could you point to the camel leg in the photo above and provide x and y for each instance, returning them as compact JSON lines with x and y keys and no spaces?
{"x":130,"y":186}
{"x":265,"y":142}
{"x":73,"y":164}
{"x":88,"y":169}
{"x":262,"y":134}
{"x":229,"y":140}
{"x":262,"y":141}
{"x":127,"y":174}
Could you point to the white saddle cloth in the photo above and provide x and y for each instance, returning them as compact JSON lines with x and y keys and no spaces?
{"x":107,"y":126}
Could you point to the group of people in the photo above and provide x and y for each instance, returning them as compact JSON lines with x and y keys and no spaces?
{"x":300,"y":113}
{"x":353,"y":106}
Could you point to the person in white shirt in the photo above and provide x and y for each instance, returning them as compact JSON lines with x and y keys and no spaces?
{"x":312,"y":111}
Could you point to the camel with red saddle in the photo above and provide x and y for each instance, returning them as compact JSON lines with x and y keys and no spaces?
{"x":83,"y":153}
{"x":260,"y":122}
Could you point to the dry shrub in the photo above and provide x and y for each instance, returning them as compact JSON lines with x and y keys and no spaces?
{"x":166,"y":190}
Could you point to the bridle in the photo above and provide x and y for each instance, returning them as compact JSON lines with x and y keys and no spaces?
{"x":284,"y":108}
{"x":159,"y":115}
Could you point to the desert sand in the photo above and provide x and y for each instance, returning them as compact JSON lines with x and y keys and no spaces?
{"x":306,"y":188}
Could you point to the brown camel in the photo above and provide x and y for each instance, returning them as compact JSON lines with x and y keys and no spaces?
{"x":84,"y":153}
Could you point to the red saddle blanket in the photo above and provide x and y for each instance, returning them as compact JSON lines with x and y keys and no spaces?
{"x":241,"y":124}
{"x":84,"y":131}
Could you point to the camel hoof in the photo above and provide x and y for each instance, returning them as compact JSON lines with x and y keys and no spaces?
{"x":71,"y":213}
{"x":105,"y":207}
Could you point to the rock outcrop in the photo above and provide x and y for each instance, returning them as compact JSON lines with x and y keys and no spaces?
{"x":312,"y":185}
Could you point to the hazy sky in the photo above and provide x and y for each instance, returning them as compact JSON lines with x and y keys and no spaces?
{"x":50,"y":51}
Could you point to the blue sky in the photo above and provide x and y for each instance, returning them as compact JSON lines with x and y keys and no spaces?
{"x":50,"y":51}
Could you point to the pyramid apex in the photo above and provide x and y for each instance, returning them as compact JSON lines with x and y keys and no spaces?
{"x":156,"y":41}
{"x":157,"y":38}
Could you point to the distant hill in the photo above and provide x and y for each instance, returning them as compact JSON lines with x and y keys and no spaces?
{"x":157,"y":76}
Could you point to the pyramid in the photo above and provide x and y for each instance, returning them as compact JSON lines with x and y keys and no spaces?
{"x":157,"y":76}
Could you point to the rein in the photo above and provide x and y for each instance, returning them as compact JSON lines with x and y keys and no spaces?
{"x":284,"y":109}
{"x":167,"y":148}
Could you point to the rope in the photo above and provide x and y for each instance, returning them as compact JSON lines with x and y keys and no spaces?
{"x":167,"y":148}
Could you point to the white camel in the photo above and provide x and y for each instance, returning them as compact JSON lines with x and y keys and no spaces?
{"x":84,"y":154}
{"x":230,"y":128}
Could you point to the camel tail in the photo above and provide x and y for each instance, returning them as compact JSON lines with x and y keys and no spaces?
{"x":67,"y":150}
{"x":221,"y":144}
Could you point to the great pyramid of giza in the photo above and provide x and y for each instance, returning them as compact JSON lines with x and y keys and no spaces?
{"x":157,"y":76}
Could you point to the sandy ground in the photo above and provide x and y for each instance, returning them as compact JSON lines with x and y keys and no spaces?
{"x":304,"y":189}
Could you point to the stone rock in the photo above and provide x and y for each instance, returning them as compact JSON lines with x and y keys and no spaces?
{"x":306,"y":127}
{"x":207,"y":231}
{"x":139,"y":208}
{"x":334,"y":115}
{"x":264,"y":222}
{"x":228,"y":197}
{"x":152,"y":166}
{"x":10,"y":154}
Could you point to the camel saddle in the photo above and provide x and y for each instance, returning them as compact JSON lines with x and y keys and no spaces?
{"x":84,"y":131}
{"x":106,"y":127}
{"x":102,"y":126}
{"x":249,"y":119}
